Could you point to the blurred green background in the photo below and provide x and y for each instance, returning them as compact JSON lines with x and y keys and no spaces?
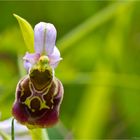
{"x":100,"y":45}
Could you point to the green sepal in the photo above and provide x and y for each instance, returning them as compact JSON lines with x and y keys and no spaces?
{"x":27,"y":32}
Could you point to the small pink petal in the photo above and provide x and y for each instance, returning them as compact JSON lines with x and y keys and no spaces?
{"x":55,"y":57}
{"x":30,"y":59}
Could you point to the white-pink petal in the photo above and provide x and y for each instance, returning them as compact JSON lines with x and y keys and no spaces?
{"x":39,"y":34}
{"x":44,"y":37}
{"x":55,"y":58}
{"x":30,"y":60}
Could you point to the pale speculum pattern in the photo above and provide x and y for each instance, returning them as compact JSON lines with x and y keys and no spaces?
{"x":36,"y":100}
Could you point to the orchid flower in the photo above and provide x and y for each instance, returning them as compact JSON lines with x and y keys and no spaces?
{"x":39,"y":94}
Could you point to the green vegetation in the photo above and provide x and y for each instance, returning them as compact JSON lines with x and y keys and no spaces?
{"x":100,"y":46}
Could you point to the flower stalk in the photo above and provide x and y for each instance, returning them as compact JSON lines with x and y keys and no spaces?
{"x":12,"y":130}
{"x":39,"y":134}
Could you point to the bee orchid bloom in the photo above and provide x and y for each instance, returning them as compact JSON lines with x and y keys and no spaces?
{"x":39,"y":94}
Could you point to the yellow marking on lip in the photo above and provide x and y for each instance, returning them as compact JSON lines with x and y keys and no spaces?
{"x":52,"y":100}
{"x":22,"y":89}
{"x":33,"y":110}
{"x":56,"y":88}
{"x":42,"y":104}
{"x":22,"y":92}
{"x":27,"y":102}
{"x":31,"y":97}
{"x":52,"y":107}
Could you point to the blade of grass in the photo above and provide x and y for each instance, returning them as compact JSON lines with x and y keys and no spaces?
{"x":12,"y":130}
{"x":94,"y":107}
{"x":90,"y":24}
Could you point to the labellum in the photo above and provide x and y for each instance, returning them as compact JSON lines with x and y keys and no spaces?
{"x":38,"y":97}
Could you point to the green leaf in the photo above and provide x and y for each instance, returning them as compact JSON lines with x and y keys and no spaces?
{"x":27,"y":32}
{"x":94,"y":109}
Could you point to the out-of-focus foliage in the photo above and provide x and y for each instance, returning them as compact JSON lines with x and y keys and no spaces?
{"x":100,"y":71}
{"x":27,"y":32}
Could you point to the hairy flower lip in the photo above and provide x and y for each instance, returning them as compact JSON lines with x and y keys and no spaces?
{"x":25,"y":116}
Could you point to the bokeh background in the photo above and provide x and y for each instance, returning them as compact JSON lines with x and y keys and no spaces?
{"x":100,"y":45}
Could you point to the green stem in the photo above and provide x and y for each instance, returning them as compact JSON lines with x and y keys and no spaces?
{"x":39,"y":134}
{"x":12,"y":130}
